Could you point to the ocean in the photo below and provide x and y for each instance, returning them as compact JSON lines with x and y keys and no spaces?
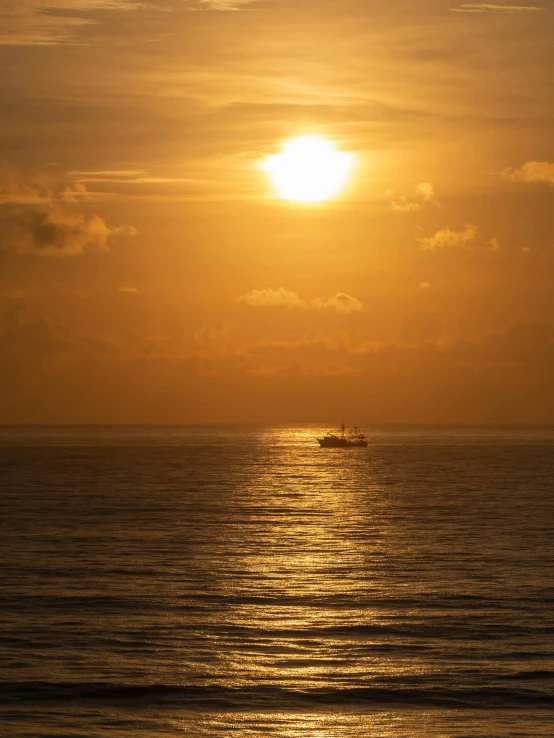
{"x":241,"y":581}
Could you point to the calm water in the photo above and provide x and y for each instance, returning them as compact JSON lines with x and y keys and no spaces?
{"x":170,"y":581}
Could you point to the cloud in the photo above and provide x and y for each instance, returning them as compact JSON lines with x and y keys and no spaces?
{"x":519,"y":343}
{"x":128,"y":290}
{"x":42,"y":187}
{"x":497,"y":9}
{"x":57,"y":374}
{"x":36,"y":218}
{"x":532,"y":171}
{"x":23,"y":194}
{"x":317,"y":355}
{"x":21,"y":336}
{"x":84,"y":5}
{"x":341,"y":302}
{"x":41,"y":359}
{"x":449,"y":239}
{"x":327,"y":355}
{"x":54,"y":22}
{"x":52,"y":232}
{"x":13,"y":190}
{"x":272,"y":298}
{"x":402,"y":205}
{"x":126,"y":176}
{"x":213,"y":340}
{"x":425,"y":193}
{"x":212,"y":346}
{"x":225,"y":5}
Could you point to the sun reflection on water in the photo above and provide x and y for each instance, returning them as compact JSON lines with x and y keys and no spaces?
{"x":298,"y":565}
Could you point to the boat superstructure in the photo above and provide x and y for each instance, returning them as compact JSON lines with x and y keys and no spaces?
{"x":346,"y":438}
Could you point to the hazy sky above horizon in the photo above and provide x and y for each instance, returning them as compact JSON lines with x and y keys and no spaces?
{"x":149,"y":273}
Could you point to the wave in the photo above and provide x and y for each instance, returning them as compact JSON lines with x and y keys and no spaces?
{"x":540,"y":674}
{"x":264,"y":697}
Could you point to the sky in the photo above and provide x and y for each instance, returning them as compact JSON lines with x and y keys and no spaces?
{"x":150,"y":272}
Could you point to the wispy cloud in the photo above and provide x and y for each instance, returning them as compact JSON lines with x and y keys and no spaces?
{"x":403,"y":205}
{"x":532,"y":171}
{"x":44,"y":186}
{"x":341,"y":302}
{"x":219,"y":5}
{"x":225,"y":4}
{"x":424,"y":193}
{"x":54,"y":22}
{"x":109,"y":175}
{"x":126,"y":176}
{"x":497,"y":9}
{"x":449,"y":239}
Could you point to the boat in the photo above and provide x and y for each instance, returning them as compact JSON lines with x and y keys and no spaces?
{"x":347,"y":438}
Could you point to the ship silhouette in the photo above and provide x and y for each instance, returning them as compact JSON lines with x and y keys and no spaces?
{"x":346,"y":438}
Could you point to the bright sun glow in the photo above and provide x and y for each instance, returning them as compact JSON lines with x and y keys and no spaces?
{"x":309,"y":169}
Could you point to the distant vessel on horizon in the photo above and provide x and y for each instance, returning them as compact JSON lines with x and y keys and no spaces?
{"x":347,"y":438}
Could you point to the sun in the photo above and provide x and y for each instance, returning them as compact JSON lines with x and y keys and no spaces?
{"x":309,"y":169}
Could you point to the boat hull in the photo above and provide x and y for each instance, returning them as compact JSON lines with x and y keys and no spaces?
{"x":341,"y":443}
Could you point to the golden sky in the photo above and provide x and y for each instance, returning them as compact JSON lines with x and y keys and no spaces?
{"x":150,"y":271}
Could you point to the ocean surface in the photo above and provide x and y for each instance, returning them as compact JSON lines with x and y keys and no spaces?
{"x":241,"y":581}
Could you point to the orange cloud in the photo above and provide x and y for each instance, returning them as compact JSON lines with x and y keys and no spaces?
{"x":225,"y":4}
{"x":53,"y":231}
{"x":449,"y":239}
{"x":425,"y":193}
{"x":341,"y":302}
{"x":493,"y":8}
{"x":35,"y":217}
{"x":532,"y":171}
{"x":44,"y":186}
{"x":53,"y":22}
{"x":402,"y":205}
